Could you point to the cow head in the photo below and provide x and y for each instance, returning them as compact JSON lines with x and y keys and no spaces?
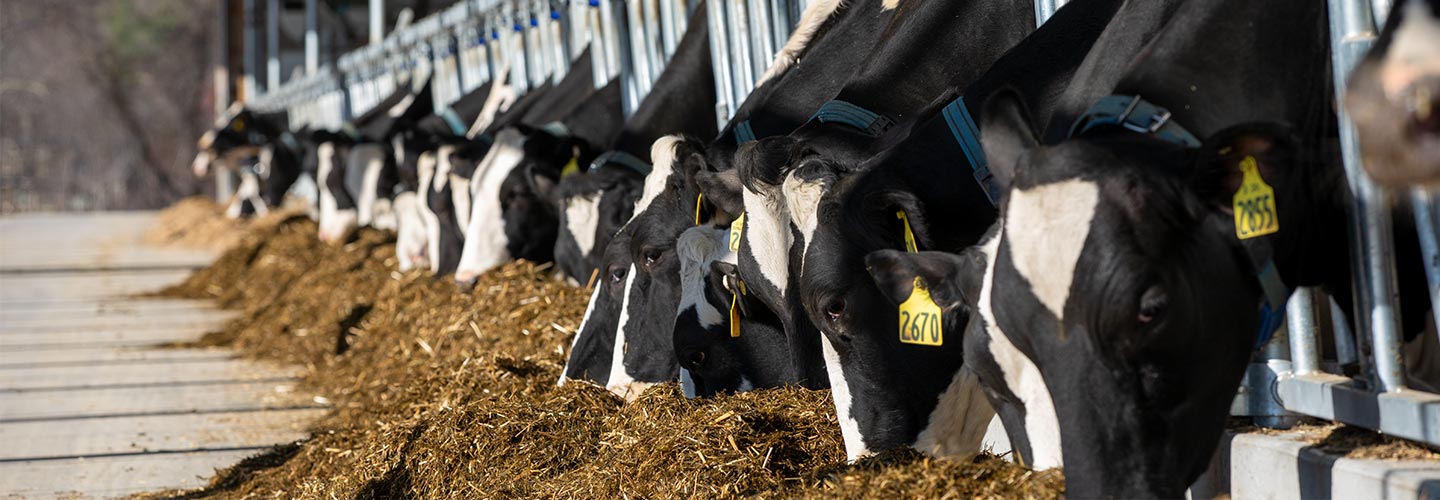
{"x":1118,"y":270}
{"x":725,"y":338}
{"x":594,"y":205}
{"x":625,"y":341}
{"x":1394,"y":97}
{"x":487,"y":243}
{"x":770,"y":248}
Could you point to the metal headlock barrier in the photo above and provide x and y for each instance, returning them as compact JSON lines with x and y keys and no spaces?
{"x":1290,"y":379}
{"x":475,"y":41}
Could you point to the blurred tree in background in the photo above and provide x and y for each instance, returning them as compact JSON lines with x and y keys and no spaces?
{"x":101,"y":102}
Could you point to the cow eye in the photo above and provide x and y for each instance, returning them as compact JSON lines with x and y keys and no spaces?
{"x":834,"y":309}
{"x":1152,"y":305}
{"x":652,"y":256}
{"x":617,"y":274}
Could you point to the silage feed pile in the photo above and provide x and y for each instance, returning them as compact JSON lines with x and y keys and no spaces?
{"x":442,"y":394}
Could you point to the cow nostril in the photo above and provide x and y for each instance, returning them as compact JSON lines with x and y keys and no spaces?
{"x":466,"y":281}
{"x":696,"y":359}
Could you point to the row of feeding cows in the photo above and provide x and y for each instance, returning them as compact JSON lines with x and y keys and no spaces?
{"x":931,"y":207}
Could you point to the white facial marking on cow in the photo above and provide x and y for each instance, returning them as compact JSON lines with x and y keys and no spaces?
{"x":620,"y":382}
{"x":400,"y":107}
{"x":840,"y":391}
{"x":767,"y":235}
{"x":589,"y":308}
{"x":890,"y":4}
{"x":696,"y":248}
{"x":1046,"y":226}
{"x":425,"y":167}
{"x":485,"y":239}
{"x":371,"y":159}
{"x":201,"y":165}
{"x":959,"y":420}
{"x":334,"y":222}
{"x":247,"y":191}
{"x":499,"y":100}
{"x":810,"y":21}
{"x":582,"y":219}
{"x":663,"y":153}
{"x":460,"y":193}
{"x":802,"y":200}
{"x":410,"y":237}
{"x":383,"y":215}
{"x":1021,"y":375}
{"x":1413,"y":52}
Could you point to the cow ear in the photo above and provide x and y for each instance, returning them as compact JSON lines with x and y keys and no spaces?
{"x":887,"y":206}
{"x":1006,"y":133}
{"x":766,"y":161}
{"x":722,"y":190}
{"x":541,"y":183}
{"x":1220,"y":163}
{"x":894,"y":273}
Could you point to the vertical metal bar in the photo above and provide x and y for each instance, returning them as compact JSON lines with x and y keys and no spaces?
{"x":630,"y":93}
{"x":220,"y":72}
{"x":247,"y":66}
{"x":377,"y":21}
{"x":669,"y":36}
{"x":1381,"y":11}
{"x":1304,"y":330}
{"x":599,"y":45}
{"x":607,"y":20}
{"x":741,"y":68}
{"x":779,"y":26}
{"x":1352,"y":30}
{"x":639,"y":64}
{"x":654,"y":49}
{"x":1346,"y":353}
{"x":761,"y":43}
{"x":560,"y":60}
{"x":312,"y":38}
{"x":272,"y":45}
{"x":720,"y":60}
{"x":1427,"y":224}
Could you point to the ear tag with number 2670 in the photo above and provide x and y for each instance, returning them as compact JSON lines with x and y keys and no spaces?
{"x":1254,"y":204}
{"x":920,"y":319}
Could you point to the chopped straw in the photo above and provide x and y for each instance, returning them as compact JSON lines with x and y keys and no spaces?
{"x":441,"y":394}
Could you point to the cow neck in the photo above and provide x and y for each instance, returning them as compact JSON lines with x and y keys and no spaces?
{"x":1136,"y":115}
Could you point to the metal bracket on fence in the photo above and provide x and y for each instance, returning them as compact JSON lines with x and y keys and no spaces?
{"x":1378,"y":399}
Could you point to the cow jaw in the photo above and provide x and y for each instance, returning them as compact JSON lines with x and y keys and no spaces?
{"x":959,"y":421}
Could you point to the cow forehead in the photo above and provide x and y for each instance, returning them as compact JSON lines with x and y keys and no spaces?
{"x":1045,"y":228}
{"x":802,"y":199}
{"x":663,"y":154}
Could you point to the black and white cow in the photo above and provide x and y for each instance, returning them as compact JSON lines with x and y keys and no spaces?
{"x":1127,"y":281}
{"x":931,"y":191}
{"x":487,"y":239}
{"x":724,"y":338}
{"x":260,"y":148}
{"x":1394,"y":97}
{"x":638,"y":275}
{"x":596,"y":203}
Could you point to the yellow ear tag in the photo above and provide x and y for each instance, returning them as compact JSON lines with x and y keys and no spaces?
{"x":1254,"y":204}
{"x":698,"y":200}
{"x":571,"y":168}
{"x":909,"y":236}
{"x":920,"y":319}
{"x":735,"y":228}
{"x":734,"y":315}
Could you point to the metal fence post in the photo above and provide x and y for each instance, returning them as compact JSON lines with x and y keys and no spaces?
{"x":720,"y":61}
{"x":1372,"y":257}
{"x":1427,"y":224}
{"x":741,"y":69}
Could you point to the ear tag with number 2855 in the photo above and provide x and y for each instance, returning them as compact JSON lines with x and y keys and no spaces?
{"x":1254,"y":204}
